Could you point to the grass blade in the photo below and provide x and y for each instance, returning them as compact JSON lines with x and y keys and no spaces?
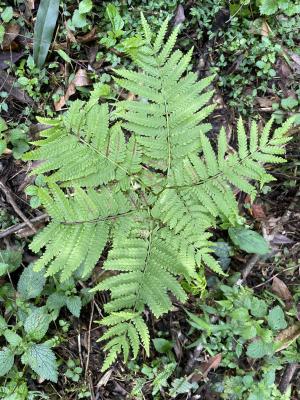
{"x":43,"y":30}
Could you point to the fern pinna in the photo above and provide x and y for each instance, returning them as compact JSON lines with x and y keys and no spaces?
{"x":144,"y":181}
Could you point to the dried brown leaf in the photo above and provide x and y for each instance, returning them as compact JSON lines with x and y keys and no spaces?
{"x":265,"y":29}
{"x":280,"y":288}
{"x":287,"y":337}
{"x":81,"y":79}
{"x":179,"y":17}
{"x":205,"y":367}
{"x":258,"y":212}
{"x":11,"y":32}
{"x":8,"y":57}
{"x":8,"y":84}
{"x":88,"y":37}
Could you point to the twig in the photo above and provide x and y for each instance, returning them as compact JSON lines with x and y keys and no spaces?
{"x":287,"y":376}
{"x":272,"y":277}
{"x":17,"y":227}
{"x":89,"y":339}
{"x":12,"y":202}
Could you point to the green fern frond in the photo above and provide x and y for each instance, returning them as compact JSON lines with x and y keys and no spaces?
{"x":144,"y":182}
{"x":166,"y":128}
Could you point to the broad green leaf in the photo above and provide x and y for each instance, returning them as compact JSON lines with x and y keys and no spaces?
{"x":7,"y":14}
{"x":31,"y":283}
{"x":289,"y":103}
{"x":73,"y":304}
{"x":276,"y":319}
{"x":181,"y":386}
{"x":162,"y":345}
{"x":37,"y":323}
{"x":259,"y":349}
{"x":85,"y":6}
{"x":41,"y":360}
{"x":3,"y":145}
{"x":6,"y":361}
{"x":3,"y":324}
{"x":259,"y":307}
{"x":56,"y":301}
{"x":3,"y":125}
{"x":249,"y":241}
{"x":43,"y":30}
{"x":10,"y":260}
{"x":2,"y":33}
{"x":12,"y":337}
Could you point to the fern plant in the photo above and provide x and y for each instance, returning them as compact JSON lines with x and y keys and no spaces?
{"x":144,"y":181}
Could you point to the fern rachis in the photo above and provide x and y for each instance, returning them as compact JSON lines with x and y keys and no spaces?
{"x":145,"y":180}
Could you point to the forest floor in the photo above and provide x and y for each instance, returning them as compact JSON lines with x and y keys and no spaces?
{"x":256,"y":60}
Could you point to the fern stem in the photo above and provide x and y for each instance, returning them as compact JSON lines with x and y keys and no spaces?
{"x":109,"y":217}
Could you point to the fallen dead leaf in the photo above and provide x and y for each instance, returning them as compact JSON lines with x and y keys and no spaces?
{"x":81,"y":79}
{"x":280,"y":288}
{"x":30,"y":4}
{"x":179,"y":17}
{"x":8,"y":84}
{"x":287,"y":337}
{"x":105,"y":378}
{"x":70,"y":35}
{"x":7,"y":57}
{"x":206,"y":367}
{"x":266,"y":102}
{"x":258,"y":212}
{"x":265,"y":29}
{"x":88,"y":37}
{"x":11,"y":32}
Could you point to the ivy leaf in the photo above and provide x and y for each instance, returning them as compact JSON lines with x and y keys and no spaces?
{"x":276,"y":319}
{"x":42,"y":361}
{"x":73,"y":304}
{"x":249,"y":241}
{"x":31,"y":283}
{"x":6,"y":361}
{"x":36,"y":324}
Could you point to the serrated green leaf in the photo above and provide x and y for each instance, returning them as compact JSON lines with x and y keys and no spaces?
{"x":31,"y":283}
{"x":43,"y":30}
{"x":42,"y":361}
{"x":6,"y":361}
{"x":276,"y":318}
{"x":259,"y":307}
{"x":3,"y":324}
{"x":10,"y":260}
{"x":259,"y":349}
{"x":249,"y":241}
{"x":73,"y":304}
{"x":12,"y":337}
{"x":56,"y":301}
{"x":37,"y":323}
